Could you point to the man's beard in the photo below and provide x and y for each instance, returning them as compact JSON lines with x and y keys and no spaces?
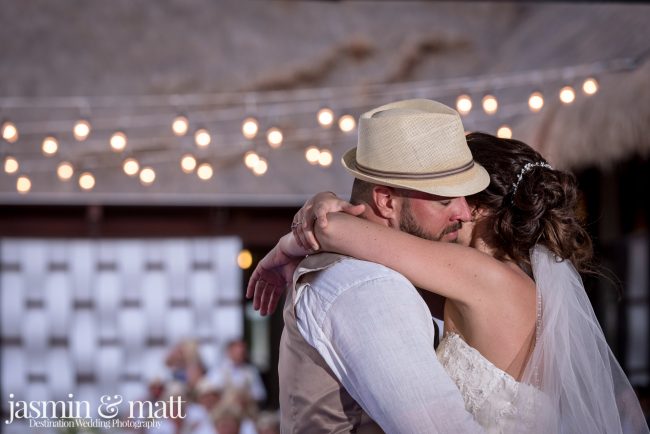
{"x":408,"y":224}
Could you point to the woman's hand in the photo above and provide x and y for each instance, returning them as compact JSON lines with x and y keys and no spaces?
{"x":314,"y":211}
{"x":273,"y":273}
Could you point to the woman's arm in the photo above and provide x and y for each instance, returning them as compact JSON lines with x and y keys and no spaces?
{"x":273,"y":273}
{"x":460,"y":273}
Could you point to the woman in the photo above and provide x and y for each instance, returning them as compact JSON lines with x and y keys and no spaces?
{"x":521,"y":340}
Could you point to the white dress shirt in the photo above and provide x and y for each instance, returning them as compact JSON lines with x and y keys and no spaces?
{"x":376,"y":334}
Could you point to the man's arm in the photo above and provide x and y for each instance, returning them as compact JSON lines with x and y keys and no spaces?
{"x":377,"y":336}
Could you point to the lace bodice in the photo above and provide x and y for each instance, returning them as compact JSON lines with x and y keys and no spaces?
{"x":497,"y":401}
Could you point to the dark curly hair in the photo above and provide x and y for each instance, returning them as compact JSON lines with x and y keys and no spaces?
{"x":541,"y":210}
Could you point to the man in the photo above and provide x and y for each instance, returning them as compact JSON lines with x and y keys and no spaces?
{"x":357,"y":353}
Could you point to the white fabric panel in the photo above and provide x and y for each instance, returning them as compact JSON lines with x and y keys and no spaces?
{"x":153,"y":366}
{"x":10,"y":249}
{"x":58,"y":303}
{"x":83,"y":342}
{"x":37,"y":392}
{"x":228,"y":273}
{"x":155,"y":298}
{"x":35,"y":340}
{"x":33,"y":264}
{"x":60,"y":374}
{"x":108,"y":298}
{"x":108,"y":368}
{"x":203,"y":296}
{"x":83,"y":268}
{"x":14,"y":374}
{"x":176,"y":256}
{"x":132,"y":391}
{"x":130,"y":263}
{"x":179,"y":325}
{"x":229,"y":323}
{"x":12,"y":303}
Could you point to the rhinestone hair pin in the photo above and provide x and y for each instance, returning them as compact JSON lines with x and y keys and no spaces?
{"x":527,"y":168}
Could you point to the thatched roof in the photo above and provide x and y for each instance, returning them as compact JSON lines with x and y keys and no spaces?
{"x":113,"y":52}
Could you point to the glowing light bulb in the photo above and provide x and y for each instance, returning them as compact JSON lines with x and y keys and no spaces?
{"x":118,"y":141}
{"x":86,"y":181}
{"x":245,"y":259}
{"x":81,"y":130}
{"x":536,"y":101}
{"x":325,"y":117}
{"x":131,"y":166}
{"x":251,"y":159}
{"x":463,"y":104}
{"x":188,"y":163}
{"x":11,"y":165}
{"x":325,"y":158}
{"x":590,"y":86}
{"x":274,"y":137}
{"x":64,"y":171}
{"x":180,"y":125}
{"x":490,"y":104}
{"x":23,"y":184}
{"x":261,"y":167}
{"x":312,"y":154}
{"x":347,"y":123}
{"x":504,"y":132}
{"x":202,"y":138}
{"x":9,"y":131}
{"x":249,"y":128}
{"x":50,"y":146}
{"x":147,"y":176}
{"x":567,"y":95}
{"x":204,"y":171}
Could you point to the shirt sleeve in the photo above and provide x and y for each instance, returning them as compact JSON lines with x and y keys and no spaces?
{"x":377,"y":337}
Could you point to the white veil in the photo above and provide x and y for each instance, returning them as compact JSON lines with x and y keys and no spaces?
{"x":571,"y":362}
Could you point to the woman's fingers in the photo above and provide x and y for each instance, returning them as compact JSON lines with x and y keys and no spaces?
{"x":264,"y":298}
{"x":354,"y":210}
{"x":259,"y":289}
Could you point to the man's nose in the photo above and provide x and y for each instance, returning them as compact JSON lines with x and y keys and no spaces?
{"x":461,"y":210}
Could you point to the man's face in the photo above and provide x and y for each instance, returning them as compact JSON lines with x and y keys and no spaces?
{"x":433,"y":217}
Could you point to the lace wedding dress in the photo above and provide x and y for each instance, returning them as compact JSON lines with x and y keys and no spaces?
{"x":572,"y":382}
{"x":497,"y":401}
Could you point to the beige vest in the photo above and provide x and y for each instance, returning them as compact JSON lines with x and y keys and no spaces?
{"x":312,"y":400}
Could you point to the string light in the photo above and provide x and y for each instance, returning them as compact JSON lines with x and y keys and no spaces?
{"x":325,"y":117}
{"x":251,"y":159}
{"x":50,"y":146}
{"x":567,"y":95}
{"x":490,"y":104}
{"x":204,"y":171}
{"x":464,"y":104}
{"x":9,"y":132}
{"x":325,"y":158}
{"x":245,"y":259}
{"x":180,"y":125}
{"x":261,"y":167}
{"x":249,"y":128}
{"x":590,"y":86}
{"x":11,"y":165}
{"x":312,"y":154}
{"x":147,"y":176}
{"x":347,"y":123}
{"x":86,"y":181}
{"x":188,"y":163}
{"x":64,"y":171}
{"x":131,"y":166}
{"x":118,"y":141}
{"x":504,"y":132}
{"x":23,"y":184}
{"x":274,"y":137}
{"x":81,"y":130}
{"x":535,"y":101}
{"x":202,"y":138}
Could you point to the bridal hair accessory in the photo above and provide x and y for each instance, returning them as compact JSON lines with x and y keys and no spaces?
{"x":527,"y":168}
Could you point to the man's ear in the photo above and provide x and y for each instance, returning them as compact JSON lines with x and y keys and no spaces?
{"x":387,"y":202}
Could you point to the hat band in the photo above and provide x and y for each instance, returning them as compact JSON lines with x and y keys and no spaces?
{"x":405,"y":175}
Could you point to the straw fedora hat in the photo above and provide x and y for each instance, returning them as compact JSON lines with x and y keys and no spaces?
{"x":416,"y":144}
